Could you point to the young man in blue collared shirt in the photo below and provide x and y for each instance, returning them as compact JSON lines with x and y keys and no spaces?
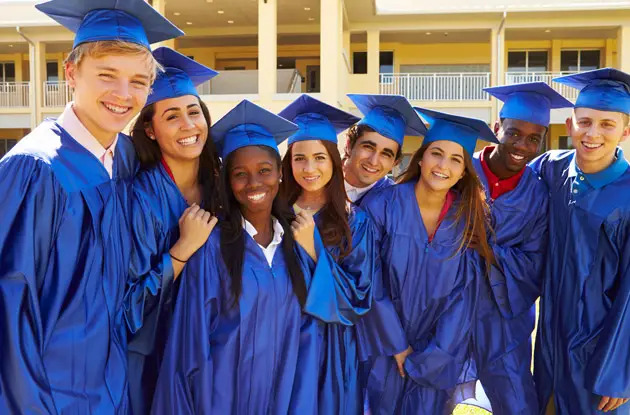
{"x":581,"y":361}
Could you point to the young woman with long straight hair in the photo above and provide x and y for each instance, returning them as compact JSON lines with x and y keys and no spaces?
{"x":313,"y":184}
{"x":241,"y":341}
{"x":427,"y":223}
{"x":176,"y":196}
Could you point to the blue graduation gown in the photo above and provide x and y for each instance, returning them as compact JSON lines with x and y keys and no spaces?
{"x":157,"y":206}
{"x":340,"y":390}
{"x":433,"y":292}
{"x":505,"y":307}
{"x":383,"y":183}
{"x":261,"y":356}
{"x":584,"y":324}
{"x":64,"y":259}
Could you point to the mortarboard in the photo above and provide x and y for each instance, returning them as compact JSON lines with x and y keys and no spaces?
{"x":316,"y":120}
{"x":531,"y":102}
{"x":180,"y":76}
{"x":461,"y":130}
{"x":132,"y":21}
{"x":389,"y":115}
{"x":605,"y":89}
{"x":248,"y":124}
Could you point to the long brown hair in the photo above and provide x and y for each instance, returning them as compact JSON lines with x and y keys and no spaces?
{"x":472,"y":208}
{"x":150,"y":155}
{"x":334,"y":227}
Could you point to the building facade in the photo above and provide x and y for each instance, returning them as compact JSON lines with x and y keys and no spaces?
{"x":270,"y":51}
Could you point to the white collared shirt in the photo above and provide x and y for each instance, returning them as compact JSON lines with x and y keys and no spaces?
{"x":69,"y":121}
{"x":278,"y":233}
{"x":355,"y":193}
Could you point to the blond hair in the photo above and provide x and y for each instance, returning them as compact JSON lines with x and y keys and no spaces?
{"x":102,"y":48}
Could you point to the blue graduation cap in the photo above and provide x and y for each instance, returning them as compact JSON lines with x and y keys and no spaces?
{"x":605,"y":89}
{"x":389,"y":115}
{"x":316,"y":120}
{"x":132,"y":21}
{"x":180,"y":76}
{"x":461,"y":130}
{"x":531,"y":102}
{"x":247,"y":124}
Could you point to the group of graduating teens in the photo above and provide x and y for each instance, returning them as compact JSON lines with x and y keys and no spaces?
{"x":189,"y":268}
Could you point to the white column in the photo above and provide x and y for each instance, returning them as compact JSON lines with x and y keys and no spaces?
{"x":267,"y":50}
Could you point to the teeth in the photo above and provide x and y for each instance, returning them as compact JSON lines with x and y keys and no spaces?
{"x":590,"y":145}
{"x":256,"y":197}
{"x":370,"y":170}
{"x":117,"y":109}
{"x":440,"y":175}
{"x":516,"y":157}
{"x":188,"y":140}
{"x":311,"y":179}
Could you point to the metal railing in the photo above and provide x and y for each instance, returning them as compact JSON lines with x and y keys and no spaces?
{"x":546,"y":77}
{"x":467,"y":86}
{"x":245,"y":81}
{"x":57,"y":93}
{"x":14,"y":94}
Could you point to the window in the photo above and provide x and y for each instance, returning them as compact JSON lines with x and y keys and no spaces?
{"x":565,"y":143}
{"x":528,"y":61}
{"x":52,"y":71}
{"x":7,"y":72}
{"x":6,"y":145}
{"x":579,"y":60}
{"x":386,"y":62}
{"x":286,"y":63}
{"x":359,"y":62}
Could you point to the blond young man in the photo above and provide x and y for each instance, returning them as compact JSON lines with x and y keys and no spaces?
{"x":64,"y":246}
{"x":581,"y":363}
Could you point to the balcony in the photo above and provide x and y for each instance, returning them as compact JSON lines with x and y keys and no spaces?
{"x":14,"y":94}
{"x":245,"y":82}
{"x":57,"y":94}
{"x":436,"y":86}
{"x":546,"y":77}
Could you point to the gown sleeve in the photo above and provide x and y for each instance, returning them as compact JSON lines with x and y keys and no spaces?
{"x":380,"y":331}
{"x":341,"y":292}
{"x":186,"y":375}
{"x":439,"y":362}
{"x":516,"y":278}
{"x":150,"y":283}
{"x":31,"y":207}
{"x":608,"y":371}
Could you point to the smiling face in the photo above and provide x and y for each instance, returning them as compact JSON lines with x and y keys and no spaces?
{"x":311,"y":165}
{"x":442,"y":165}
{"x":595,"y":135}
{"x":180,"y":128}
{"x":109,"y":91}
{"x":370,"y":159}
{"x":254,"y":175}
{"x":520,"y":141}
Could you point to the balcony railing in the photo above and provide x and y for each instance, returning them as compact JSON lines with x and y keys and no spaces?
{"x":244,"y":81}
{"x":437,"y":86}
{"x":57,"y":93}
{"x":14,"y":94}
{"x":546,"y":77}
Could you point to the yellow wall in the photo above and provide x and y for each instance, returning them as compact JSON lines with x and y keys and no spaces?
{"x":13,"y":133}
{"x":433,"y":53}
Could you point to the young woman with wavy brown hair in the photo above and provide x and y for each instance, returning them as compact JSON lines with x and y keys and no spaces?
{"x":427,"y":224}
{"x":176,"y":198}
{"x":343,"y":245}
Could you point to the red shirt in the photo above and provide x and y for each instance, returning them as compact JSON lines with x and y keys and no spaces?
{"x":497,"y":186}
{"x":168,"y":170}
{"x":450,"y":198}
